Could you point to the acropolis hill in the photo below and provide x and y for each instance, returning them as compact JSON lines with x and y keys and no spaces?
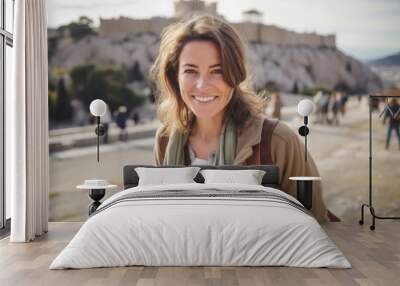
{"x":251,"y":28}
{"x":277,"y":58}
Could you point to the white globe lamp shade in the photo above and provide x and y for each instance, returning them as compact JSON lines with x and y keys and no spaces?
{"x":305,"y":107}
{"x":98,"y":107}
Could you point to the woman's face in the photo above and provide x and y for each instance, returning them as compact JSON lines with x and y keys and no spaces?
{"x":202,"y":86}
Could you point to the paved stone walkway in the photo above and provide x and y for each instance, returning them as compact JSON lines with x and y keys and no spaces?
{"x":341,"y":153}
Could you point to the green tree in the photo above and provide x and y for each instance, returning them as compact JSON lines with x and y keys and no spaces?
{"x":63,"y":109}
{"x":52,"y":99}
{"x":78,"y":30}
{"x":134,"y":73}
{"x":108,"y":83}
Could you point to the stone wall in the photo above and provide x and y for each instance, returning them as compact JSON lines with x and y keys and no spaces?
{"x":272,"y":34}
{"x":252,"y":32}
{"x":185,"y":8}
{"x":124,"y":25}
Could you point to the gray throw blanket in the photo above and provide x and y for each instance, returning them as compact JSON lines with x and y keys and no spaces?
{"x":198,"y":194}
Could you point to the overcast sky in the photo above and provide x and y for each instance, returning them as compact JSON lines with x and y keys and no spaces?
{"x":365,"y":29}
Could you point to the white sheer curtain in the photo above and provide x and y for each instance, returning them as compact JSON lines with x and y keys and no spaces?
{"x":27,"y":155}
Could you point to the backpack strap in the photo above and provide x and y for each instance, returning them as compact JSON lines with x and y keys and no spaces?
{"x":265,"y":144}
{"x":262,"y":151}
{"x":163,"y":142}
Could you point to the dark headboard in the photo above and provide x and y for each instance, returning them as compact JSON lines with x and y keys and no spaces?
{"x":270,"y":179}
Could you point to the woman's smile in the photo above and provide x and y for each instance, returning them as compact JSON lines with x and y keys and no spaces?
{"x":204,"y":99}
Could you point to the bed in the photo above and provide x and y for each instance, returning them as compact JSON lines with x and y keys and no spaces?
{"x":201,"y":224}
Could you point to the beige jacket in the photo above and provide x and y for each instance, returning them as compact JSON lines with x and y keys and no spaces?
{"x":287,"y":152}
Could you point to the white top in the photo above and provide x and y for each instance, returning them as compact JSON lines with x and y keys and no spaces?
{"x":198,"y":161}
{"x":305,"y":178}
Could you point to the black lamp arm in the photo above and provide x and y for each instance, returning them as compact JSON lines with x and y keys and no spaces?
{"x":100,"y":131}
{"x":303,"y":131}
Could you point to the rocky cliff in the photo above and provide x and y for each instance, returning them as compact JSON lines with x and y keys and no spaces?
{"x":289,"y":68}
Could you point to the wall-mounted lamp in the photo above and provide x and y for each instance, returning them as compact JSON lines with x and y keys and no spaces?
{"x":305,"y":108}
{"x":98,"y":108}
{"x":304,"y":183}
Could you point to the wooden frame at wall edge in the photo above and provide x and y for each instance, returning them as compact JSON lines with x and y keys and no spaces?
{"x":6,"y":39}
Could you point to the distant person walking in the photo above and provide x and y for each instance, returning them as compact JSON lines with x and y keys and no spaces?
{"x":324,"y":106}
{"x":121,"y":118}
{"x":106,"y":119}
{"x":343,"y":101}
{"x":79,"y":114}
{"x":374,"y":103}
{"x":317,"y":99}
{"x":336,"y":106}
{"x":393,"y":113}
{"x":136,"y":117}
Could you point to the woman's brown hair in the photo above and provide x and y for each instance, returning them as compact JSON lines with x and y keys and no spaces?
{"x":172,"y":111}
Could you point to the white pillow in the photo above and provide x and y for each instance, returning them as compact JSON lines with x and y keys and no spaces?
{"x":163,"y":176}
{"x":249,"y":177}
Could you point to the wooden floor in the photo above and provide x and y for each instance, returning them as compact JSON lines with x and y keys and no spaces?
{"x":375,"y":257}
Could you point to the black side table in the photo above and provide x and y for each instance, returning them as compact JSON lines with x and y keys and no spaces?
{"x":96,"y":193}
{"x":304,"y":189}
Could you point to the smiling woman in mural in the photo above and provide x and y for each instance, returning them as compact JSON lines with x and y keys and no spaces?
{"x":210,"y":114}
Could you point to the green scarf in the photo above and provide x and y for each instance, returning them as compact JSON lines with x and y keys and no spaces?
{"x":225,"y":153}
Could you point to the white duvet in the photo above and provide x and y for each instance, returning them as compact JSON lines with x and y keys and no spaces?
{"x":182,"y":231}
